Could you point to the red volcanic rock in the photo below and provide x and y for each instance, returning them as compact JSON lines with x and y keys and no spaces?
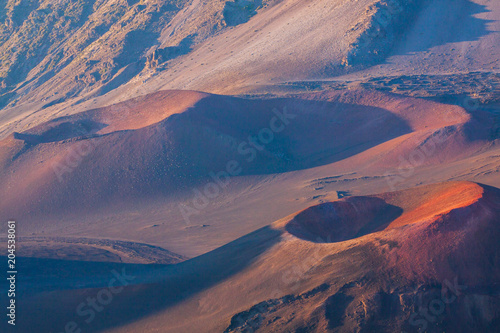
{"x":438,"y":230}
{"x":459,"y":239}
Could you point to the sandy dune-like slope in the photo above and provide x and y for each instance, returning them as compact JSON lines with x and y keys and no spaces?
{"x":151,"y":147}
{"x":373,"y":273}
{"x":129,"y":127}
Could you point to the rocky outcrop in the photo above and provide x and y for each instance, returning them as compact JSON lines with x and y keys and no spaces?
{"x":372,"y":38}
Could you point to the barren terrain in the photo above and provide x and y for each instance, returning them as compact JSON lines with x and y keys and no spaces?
{"x":252,"y":165}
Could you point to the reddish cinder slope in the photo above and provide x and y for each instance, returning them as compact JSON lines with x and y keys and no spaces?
{"x":453,"y":231}
{"x":442,"y":244}
{"x":429,"y":224}
{"x":432,"y":202}
{"x":357,"y":216}
{"x":150,"y":147}
{"x":377,"y":281}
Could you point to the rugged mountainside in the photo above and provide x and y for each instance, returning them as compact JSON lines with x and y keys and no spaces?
{"x":52,"y":51}
{"x":73,"y":47}
{"x":66,"y":49}
{"x":63,"y":58}
{"x":321,"y":161}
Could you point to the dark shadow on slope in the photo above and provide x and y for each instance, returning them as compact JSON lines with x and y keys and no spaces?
{"x":54,"y":102}
{"x":6,"y":98}
{"x":172,"y":52}
{"x":277,"y":135}
{"x":126,"y":74}
{"x":403,"y":27}
{"x":336,"y":307}
{"x":21,"y":11}
{"x":155,"y":288}
{"x":135,"y":43}
{"x":240,"y":11}
{"x":342,"y":220}
{"x":444,"y":13}
{"x":164,"y":158}
{"x":59,"y":130}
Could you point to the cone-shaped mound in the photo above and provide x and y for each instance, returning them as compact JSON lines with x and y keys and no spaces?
{"x":342,"y":220}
